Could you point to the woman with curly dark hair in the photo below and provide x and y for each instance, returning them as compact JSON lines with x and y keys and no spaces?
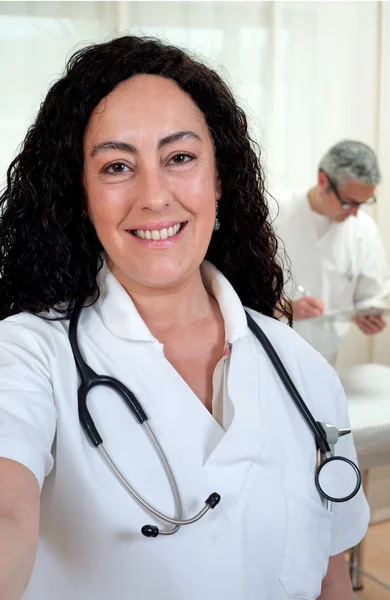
{"x":134,"y":228}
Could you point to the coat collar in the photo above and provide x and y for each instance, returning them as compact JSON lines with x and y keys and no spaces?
{"x":122,"y":318}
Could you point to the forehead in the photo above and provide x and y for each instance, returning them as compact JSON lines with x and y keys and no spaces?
{"x":357,"y":191}
{"x":145,"y":104}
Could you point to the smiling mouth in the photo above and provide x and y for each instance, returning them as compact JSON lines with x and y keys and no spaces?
{"x":159,"y":234}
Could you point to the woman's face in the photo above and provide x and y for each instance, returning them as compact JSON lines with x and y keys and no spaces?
{"x":151,"y":182}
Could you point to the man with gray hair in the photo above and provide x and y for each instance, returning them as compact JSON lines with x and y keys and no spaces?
{"x":337,"y":258}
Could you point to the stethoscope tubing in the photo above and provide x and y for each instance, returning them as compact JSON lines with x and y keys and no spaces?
{"x":137,"y":496}
{"x":315,"y":427}
{"x":90,"y":379}
{"x":319,"y":436}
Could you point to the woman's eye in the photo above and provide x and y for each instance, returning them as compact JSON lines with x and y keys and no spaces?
{"x":181,"y":158}
{"x":117,"y":168}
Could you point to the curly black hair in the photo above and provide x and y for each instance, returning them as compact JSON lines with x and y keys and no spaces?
{"x":50,"y":254}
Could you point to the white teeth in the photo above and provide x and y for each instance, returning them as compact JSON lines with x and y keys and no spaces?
{"x":157,"y":234}
{"x":176,"y":228}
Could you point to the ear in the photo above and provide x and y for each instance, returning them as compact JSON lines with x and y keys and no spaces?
{"x":322,"y":180}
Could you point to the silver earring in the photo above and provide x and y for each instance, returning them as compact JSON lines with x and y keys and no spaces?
{"x":217,"y":224}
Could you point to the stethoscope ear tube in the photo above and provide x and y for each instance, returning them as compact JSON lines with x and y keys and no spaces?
{"x":319,"y":436}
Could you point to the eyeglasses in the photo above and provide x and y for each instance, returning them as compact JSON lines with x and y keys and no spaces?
{"x":347,"y":204}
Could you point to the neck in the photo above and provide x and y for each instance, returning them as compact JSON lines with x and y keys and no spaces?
{"x":315,"y":200}
{"x":175,"y":307}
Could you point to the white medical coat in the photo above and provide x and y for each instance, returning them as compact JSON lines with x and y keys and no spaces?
{"x":269,"y":538}
{"x":346,"y":267}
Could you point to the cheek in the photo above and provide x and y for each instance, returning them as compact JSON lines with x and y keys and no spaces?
{"x":106,"y":205}
{"x":335,"y":208}
{"x":199,"y":193}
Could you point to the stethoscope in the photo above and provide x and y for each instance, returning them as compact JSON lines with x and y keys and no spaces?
{"x":325,"y":435}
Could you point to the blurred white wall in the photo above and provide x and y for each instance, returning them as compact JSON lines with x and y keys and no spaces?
{"x":380,"y":348}
{"x":35,"y":40}
{"x":307,"y":73}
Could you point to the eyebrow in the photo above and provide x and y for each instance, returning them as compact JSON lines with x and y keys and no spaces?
{"x":125,"y":147}
{"x":179,"y":135}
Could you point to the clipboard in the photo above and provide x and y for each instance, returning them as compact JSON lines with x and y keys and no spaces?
{"x":348,"y":315}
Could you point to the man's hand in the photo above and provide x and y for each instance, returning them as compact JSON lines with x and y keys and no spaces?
{"x":307,"y":308}
{"x":370,"y":325}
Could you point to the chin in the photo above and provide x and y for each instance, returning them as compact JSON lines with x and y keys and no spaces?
{"x":159,"y":276}
{"x":161,"y":281}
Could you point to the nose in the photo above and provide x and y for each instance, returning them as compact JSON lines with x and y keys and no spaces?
{"x":354,"y":211}
{"x":154,"y":191}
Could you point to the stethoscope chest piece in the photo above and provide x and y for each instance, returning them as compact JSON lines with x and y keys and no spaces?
{"x":338,"y":479}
